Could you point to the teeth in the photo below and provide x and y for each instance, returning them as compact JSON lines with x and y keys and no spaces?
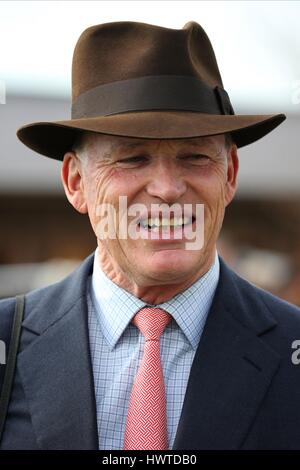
{"x":178,"y":221}
{"x":155,"y":223}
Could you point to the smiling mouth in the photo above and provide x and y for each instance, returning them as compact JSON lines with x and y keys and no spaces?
{"x":158,"y":224}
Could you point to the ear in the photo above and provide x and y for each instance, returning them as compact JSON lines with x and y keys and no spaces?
{"x":232,"y":172}
{"x":71,"y":176}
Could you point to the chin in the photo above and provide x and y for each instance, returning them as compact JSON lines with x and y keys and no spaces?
{"x":172,"y":263}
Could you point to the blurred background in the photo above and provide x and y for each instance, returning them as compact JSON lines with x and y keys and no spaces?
{"x":257,"y":45}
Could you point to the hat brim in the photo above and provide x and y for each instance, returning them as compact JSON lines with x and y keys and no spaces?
{"x":54,"y":139}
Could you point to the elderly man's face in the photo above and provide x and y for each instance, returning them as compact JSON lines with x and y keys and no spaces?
{"x":185,"y":171}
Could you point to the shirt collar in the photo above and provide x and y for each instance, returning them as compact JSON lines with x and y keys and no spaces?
{"x":115,"y":307}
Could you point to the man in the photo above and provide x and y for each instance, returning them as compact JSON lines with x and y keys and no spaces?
{"x":153,"y":342}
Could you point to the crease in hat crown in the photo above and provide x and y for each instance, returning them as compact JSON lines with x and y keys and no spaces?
{"x":143,"y":74}
{"x":123,"y":50}
{"x":141,"y":80}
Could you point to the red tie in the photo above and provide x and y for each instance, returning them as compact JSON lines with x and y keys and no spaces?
{"x":146,"y":425}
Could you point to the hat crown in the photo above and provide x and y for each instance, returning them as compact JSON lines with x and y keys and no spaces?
{"x":125,"y":50}
{"x":140,"y":80}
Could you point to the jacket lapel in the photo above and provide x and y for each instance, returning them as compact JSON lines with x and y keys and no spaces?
{"x":231,"y":371}
{"x":56,"y":368}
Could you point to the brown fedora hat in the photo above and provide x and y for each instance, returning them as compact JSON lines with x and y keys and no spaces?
{"x":140,"y":80}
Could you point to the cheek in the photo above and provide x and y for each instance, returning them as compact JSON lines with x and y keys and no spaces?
{"x":210,"y":187}
{"x":124,"y":179}
{"x":116,"y":182}
{"x":98,"y":185}
{"x":105,"y":187}
{"x":210,"y":190}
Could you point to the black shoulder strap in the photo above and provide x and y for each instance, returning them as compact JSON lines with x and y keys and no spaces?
{"x":11,"y":360}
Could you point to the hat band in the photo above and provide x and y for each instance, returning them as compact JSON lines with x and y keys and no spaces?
{"x":150,"y":93}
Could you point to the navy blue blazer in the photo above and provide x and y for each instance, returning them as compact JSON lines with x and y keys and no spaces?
{"x":243,"y":391}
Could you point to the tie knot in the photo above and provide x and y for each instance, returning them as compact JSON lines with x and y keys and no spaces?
{"x":151,"y":322}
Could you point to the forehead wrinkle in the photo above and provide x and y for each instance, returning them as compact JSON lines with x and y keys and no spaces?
{"x":115,"y":146}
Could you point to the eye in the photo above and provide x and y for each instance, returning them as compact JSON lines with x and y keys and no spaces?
{"x":135,"y":159}
{"x":197,"y":158}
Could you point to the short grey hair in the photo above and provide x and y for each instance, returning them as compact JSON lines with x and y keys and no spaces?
{"x":228,"y":141}
{"x":79,"y":142}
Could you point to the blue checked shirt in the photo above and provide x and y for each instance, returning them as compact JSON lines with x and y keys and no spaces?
{"x":117,"y":348}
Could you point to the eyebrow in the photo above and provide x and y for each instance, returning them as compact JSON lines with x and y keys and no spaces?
{"x":118,"y":146}
{"x":125,"y":146}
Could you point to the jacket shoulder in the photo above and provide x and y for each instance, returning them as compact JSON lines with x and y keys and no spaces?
{"x":6,"y":305}
{"x":47,"y":305}
{"x":286,"y":314}
{"x":7,"y":308}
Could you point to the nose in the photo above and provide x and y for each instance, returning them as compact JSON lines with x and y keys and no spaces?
{"x":166,"y":182}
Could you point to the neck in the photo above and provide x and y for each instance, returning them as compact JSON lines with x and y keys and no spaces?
{"x":154,"y":292}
